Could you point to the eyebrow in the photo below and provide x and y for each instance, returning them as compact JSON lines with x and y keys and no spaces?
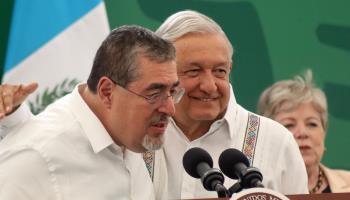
{"x":177,"y":83}
{"x":194,"y":64}
{"x":222,"y":65}
{"x":314,"y":118}
{"x":288,"y":118}
{"x":161,"y":86}
{"x":219,"y":64}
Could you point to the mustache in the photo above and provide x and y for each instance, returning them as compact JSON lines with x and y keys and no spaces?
{"x":164,"y":118}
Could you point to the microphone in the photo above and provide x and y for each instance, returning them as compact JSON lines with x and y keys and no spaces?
{"x":235,"y":164}
{"x":199,"y":164}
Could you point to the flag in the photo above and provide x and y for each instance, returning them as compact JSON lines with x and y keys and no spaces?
{"x":53,"y":42}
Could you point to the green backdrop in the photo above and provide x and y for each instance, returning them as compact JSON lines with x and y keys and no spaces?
{"x":273,"y":40}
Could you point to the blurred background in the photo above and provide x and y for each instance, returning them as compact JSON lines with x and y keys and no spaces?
{"x":273,"y":40}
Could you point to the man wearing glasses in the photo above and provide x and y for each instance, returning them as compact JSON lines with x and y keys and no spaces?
{"x":83,"y":145}
{"x":209,"y":117}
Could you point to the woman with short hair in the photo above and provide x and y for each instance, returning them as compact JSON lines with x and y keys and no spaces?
{"x":301,"y":107}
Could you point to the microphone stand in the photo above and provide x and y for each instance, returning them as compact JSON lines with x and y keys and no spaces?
{"x":235,"y":188}
{"x":250,"y":178}
{"x":213,"y":180}
{"x":221,"y":191}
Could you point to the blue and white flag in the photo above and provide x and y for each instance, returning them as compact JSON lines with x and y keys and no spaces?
{"x":53,"y":42}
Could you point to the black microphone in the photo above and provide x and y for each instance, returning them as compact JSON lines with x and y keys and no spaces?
{"x":199,"y":164}
{"x":235,"y":165}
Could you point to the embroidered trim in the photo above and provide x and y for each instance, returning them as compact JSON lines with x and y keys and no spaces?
{"x":148,"y":157}
{"x":251,"y":136}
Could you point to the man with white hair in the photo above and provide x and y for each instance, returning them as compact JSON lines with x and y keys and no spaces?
{"x":209,"y":117}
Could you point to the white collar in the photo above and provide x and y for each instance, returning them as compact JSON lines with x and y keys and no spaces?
{"x":95,"y":132}
{"x":231,"y":113}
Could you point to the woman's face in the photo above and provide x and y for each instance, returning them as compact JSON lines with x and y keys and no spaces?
{"x":305,"y":124}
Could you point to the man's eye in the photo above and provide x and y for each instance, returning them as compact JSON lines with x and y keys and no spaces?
{"x":173,"y":92}
{"x":192,"y":72}
{"x":220,"y":73}
{"x":154,"y":96}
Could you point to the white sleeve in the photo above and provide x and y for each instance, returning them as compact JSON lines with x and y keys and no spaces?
{"x":21,"y":115}
{"x":280,"y":159}
{"x":295,"y":181}
{"x":24,"y":175}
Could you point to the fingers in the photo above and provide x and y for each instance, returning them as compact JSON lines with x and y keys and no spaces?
{"x":6,"y":98}
{"x":28,"y":89}
{"x":2,"y":108}
{"x":11,"y":96}
{"x":22,"y":93}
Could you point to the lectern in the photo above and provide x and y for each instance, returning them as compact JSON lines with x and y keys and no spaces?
{"x":328,"y":196}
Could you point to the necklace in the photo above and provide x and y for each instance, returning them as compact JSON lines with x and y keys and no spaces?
{"x":319,"y":181}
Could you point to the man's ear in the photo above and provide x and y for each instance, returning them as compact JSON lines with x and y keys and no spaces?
{"x":104,"y":91}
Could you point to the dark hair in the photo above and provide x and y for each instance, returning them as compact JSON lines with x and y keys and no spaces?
{"x":117,"y":57}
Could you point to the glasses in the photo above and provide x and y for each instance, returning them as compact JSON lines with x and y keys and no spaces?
{"x":160,"y":97}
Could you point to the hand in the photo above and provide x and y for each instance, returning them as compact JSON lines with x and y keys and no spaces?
{"x":12,"y":96}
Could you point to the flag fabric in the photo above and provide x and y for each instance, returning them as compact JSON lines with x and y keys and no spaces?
{"x":53,"y":42}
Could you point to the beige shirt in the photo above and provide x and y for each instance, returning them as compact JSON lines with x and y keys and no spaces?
{"x":338,"y":180}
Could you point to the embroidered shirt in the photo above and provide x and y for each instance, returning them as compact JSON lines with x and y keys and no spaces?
{"x":276,"y":155}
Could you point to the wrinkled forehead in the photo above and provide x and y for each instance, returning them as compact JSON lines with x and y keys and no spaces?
{"x":204,"y":41}
{"x":155,"y":75}
{"x":202,"y":48}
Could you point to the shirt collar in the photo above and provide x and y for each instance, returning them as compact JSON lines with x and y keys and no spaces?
{"x":94,"y":130}
{"x":231,"y":113}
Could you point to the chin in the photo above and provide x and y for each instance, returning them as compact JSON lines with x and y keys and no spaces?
{"x":204,"y":118}
{"x":310,"y":162}
{"x":152,"y":143}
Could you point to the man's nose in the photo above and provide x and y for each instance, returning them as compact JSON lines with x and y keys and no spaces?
{"x":168,"y":106}
{"x":207,"y":82}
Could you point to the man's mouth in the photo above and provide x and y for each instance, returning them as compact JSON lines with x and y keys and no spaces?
{"x":160,"y":124}
{"x":304,"y":147}
{"x":205,"y":99}
{"x":159,"y":127}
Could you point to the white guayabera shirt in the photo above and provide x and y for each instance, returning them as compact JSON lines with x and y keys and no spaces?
{"x":276,"y":155}
{"x":65,"y":153}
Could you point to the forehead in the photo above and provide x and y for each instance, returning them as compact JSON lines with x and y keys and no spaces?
{"x":209,"y":48}
{"x":155,"y":72}
{"x":303,"y":110}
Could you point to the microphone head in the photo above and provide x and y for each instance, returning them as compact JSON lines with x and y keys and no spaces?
{"x":229,"y":159}
{"x":193,"y":157}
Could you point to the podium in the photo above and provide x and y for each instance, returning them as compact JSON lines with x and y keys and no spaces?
{"x":325,"y":196}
